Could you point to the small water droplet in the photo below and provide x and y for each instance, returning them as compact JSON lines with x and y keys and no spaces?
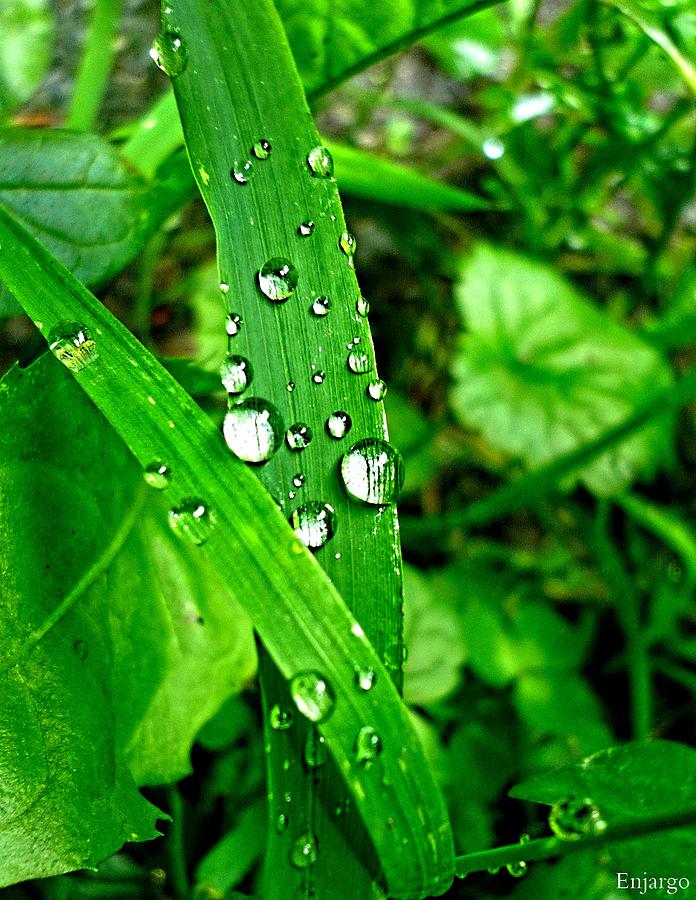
{"x":224,"y":287}
{"x":304,"y":851}
{"x":298,"y":436}
{"x":306,"y":229}
{"x":318,"y":377}
{"x":372,"y":472}
{"x":348,"y":244}
{"x":320,"y":162}
{"x":376,"y":389}
{"x":278,"y":279}
{"x":169,"y":53}
{"x":314,"y":523}
{"x":236,"y":374}
{"x":493,"y":148}
{"x":253,"y":430}
{"x":321,"y":306}
{"x":517,"y":869}
{"x":279,"y":719}
{"x":298,"y":480}
{"x":290,"y":386}
{"x":281,"y":823}
{"x":338,"y":424}
{"x":233,"y":324}
{"x":73,"y":345}
{"x":315,"y":749}
{"x":362,"y":307}
{"x":359,"y":362}
{"x":158,"y":475}
{"x":242,"y":171}
{"x":574,"y":818}
{"x":262,"y":149}
{"x":313,"y":695}
{"x":365,"y":678}
{"x":368,"y":745}
{"x":192,"y":519}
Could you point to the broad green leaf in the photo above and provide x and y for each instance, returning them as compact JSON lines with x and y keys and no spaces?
{"x":649,"y":778}
{"x":540,"y":372}
{"x":25,"y":50}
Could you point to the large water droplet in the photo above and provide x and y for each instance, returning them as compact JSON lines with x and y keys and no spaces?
{"x":279,"y":719}
{"x":372,"y":472}
{"x":348,"y":244}
{"x":233,"y":324}
{"x":368,"y":745}
{"x":362,"y":307}
{"x":359,"y":362}
{"x":262,"y":149}
{"x":242,"y":171}
{"x":73,"y":345}
{"x":306,"y":229}
{"x":298,"y":436}
{"x":321,"y":306}
{"x":304,"y":851}
{"x":365,"y":678}
{"x":314,"y":523}
{"x":377,"y":389}
{"x":575,"y":818}
{"x":313,"y":695}
{"x":253,"y":430}
{"x":315,"y":749}
{"x":320,"y":162}
{"x":192,"y":519}
{"x":169,"y":53}
{"x":158,"y":475}
{"x":278,"y":279}
{"x":236,"y":374}
{"x":338,"y":424}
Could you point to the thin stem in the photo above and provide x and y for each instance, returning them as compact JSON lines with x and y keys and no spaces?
{"x":95,"y":66}
{"x":664,"y":525}
{"x":176,"y":846}
{"x":146,"y":276}
{"x":552,"y":847}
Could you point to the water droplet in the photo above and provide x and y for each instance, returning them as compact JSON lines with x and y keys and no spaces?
{"x":224,"y":287}
{"x":298,"y":480}
{"x":315,"y":749}
{"x":279,"y":719}
{"x":365,"y":678}
{"x":348,"y":244}
{"x":298,"y":436}
{"x":73,"y":345}
{"x":158,"y":475}
{"x":262,"y":149}
{"x":362,"y":307}
{"x":306,"y":229}
{"x":281,"y":823}
{"x":313,"y":695}
{"x":517,"y":869}
{"x":318,"y":377}
{"x":372,"y":472}
{"x":314,"y":523}
{"x":320,"y":162}
{"x":493,"y":148}
{"x":192,"y":519}
{"x":376,"y":389}
{"x":359,"y":362}
{"x":233,"y":324}
{"x":253,"y":430}
{"x":169,"y":53}
{"x":338,"y":424}
{"x":304,"y":851}
{"x":321,"y":306}
{"x":575,"y":818}
{"x":242,"y":171}
{"x":278,"y":279}
{"x":236,"y":374}
{"x":368,"y":745}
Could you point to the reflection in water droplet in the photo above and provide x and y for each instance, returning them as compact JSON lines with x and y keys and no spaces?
{"x":298,"y":436}
{"x":278,"y":279}
{"x":262,"y":149}
{"x":73,"y":345}
{"x":315,"y":749}
{"x":338,"y":424}
{"x":321,"y":306}
{"x":279,"y":719}
{"x":377,"y":389}
{"x":362,"y":307}
{"x":233,"y":324}
{"x":318,"y":377}
{"x":158,"y":475}
{"x":253,"y":430}
{"x":192,"y":519}
{"x":348,"y":244}
{"x":320,"y":162}
{"x":304,"y":851}
{"x":368,"y":745}
{"x":242,"y":171}
{"x":305,"y":229}
{"x":313,"y":695}
{"x":314,"y":523}
{"x":372,"y":472}
{"x":359,"y":362}
{"x":169,"y":53}
{"x":574,"y":818}
{"x":365,"y":678}
{"x":236,"y":374}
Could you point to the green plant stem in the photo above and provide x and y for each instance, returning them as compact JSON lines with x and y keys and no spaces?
{"x":553,"y":847}
{"x":664,"y":525}
{"x":176,"y":846}
{"x":677,"y":673}
{"x":95,"y":66}
{"x":146,"y":276}
{"x":529,"y":489}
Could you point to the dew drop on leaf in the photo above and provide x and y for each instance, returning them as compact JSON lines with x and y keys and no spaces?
{"x":290,"y":386}
{"x":279,"y":719}
{"x":169,"y":53}
{"x":224,"y":287}
{"x":372,"y":472}
{"x":320,"y":162}
{"x":233,"y":324}
{"x":519,"y":869}
{"x":574,"y":818}
{"x":314,"y":523}
{"x":338,"y":424}
{"x":362,"y":307}
{"x":253,"y":430}
{"x":315,"y":749}
{"x":313,"y":695}
{"x":348,"y":244}
{"x":368,"y":745}
{"x":262,"y":149}
{"x":278,"y":279}
{"x":72,"y":344}
{"x":306,"y":229}
{"x":359,"y":362}
{"x":365,"y":678}
{"x":493,"y":148}
{"x":319,"y":377}
{"x":298,"y":480}
{"x":304,"y":851}
{"x":281,"y":823}
{"x":321,"y":306}
{"x":158,"y":475}
{"x":242,"y":171}
{"x":193,"y":520}
{"x":376,"y":389}
{"x":298,"y":436}
{"x":236,"y":374}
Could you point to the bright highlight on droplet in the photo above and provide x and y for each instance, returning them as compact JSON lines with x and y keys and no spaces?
{"x":168,"y":52}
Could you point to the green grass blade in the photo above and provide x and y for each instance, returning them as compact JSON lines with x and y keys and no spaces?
{"x":95,"y":66}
